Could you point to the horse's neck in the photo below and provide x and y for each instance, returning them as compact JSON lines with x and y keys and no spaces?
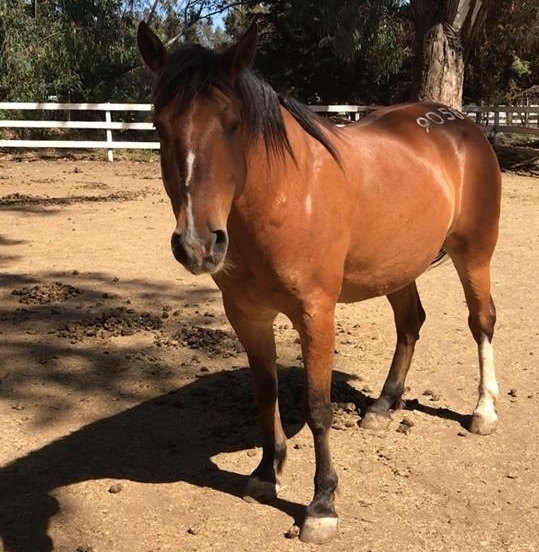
{"x":271,"y":174}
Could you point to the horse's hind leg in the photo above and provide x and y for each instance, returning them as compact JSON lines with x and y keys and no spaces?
{"x":409,"y":317}
{"x":254,"y":328}
{"x":474,"y":273}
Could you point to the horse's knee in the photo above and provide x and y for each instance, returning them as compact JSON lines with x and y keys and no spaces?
{"x":481,"y":321}
{"x":319,"y":416}
{"x":409,"y":318}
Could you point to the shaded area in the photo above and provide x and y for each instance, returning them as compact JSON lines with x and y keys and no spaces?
{"x":18,"y":201}
{"x":4,"y":242}
{"x":9,"y":241}
{"x":439,"y":412}
{"x":92,"y":333}
{"x":170,"y":438}
{"x":519,"y":159}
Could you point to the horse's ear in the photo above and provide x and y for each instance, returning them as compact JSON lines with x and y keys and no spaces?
{"x":241,"y":55}
{"x":151,"y":48}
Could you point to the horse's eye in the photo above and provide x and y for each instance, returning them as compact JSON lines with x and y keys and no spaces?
{"x":235,"y":126}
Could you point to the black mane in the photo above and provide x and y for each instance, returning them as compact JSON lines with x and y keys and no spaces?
{"x":193,"y":69}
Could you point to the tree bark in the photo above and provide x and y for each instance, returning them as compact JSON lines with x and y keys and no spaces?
{"x":442,"y":71}
{"x":445,"y":33}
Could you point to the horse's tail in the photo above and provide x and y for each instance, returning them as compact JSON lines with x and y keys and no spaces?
{"x":441,"y":258}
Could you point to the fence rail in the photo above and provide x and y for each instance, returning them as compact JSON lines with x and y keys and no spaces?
{"x":506,"y":119}
{"x":499,"y":119}
{"x":108,"y":125}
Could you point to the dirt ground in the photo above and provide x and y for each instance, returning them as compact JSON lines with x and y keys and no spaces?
{"x":127,"y":423}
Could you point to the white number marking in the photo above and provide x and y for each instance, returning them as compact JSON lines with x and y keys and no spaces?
{"x":434,"y":118}
{"x":447,"y":113}
{"x":438,"y":117}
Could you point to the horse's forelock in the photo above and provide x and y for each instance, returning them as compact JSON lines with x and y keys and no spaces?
{"x":188,"y":71}
{"x":193,"y":69}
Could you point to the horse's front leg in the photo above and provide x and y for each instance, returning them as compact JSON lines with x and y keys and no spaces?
{"x":254,"y":327}
{"x":317,"y":331}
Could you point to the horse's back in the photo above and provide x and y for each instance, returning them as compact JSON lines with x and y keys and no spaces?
{"x":420,"y":125}
{"x":422,"y":172}
{"x":426,"y":137}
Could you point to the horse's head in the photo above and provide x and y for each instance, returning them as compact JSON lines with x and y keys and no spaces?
{"x":198,"y":118}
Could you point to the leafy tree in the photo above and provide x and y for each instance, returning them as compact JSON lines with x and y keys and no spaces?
{"x":391,"y":50}
{"x":24,"y":49}
{"x":80,"y":50}
{"x":186,"y":20}
{"x":329,"y":51}
{"x":355,"y":51}
{"x":505,"y":63}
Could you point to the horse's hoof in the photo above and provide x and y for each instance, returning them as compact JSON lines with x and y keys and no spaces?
{"x":257,"y":490}
{"x":319,"y":530}
{"x":376,"y":421}
{"x":483,"y":425}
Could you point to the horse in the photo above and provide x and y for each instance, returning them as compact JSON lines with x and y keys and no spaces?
{"x":292,"y":214}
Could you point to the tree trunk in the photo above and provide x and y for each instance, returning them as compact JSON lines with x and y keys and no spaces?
{"x":442,"y":69}
{"x":445,"y":33}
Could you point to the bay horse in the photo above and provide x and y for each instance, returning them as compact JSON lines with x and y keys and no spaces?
{"x":290,"y":214}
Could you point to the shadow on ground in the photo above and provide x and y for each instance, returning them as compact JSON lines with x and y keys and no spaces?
{"x":170,"y":438}
{"x":94,"y":334}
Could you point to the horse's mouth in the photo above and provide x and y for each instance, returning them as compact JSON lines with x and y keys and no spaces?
{"x":207,"y":266}
{"x":195,"y":257}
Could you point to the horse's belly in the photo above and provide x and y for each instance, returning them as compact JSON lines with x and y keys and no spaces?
{"x":364,"y":284}
{"x":396,"y":234}
{"x":375,"y":269}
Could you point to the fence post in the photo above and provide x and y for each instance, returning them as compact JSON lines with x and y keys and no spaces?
{"x":108,"y":119}
{"x":496,"y":126}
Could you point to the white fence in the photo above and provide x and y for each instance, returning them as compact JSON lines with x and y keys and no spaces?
{"x":502,"y":119}
{"x":506,"y":119}
{"x":66,"y":108}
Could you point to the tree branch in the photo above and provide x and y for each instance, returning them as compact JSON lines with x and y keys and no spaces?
{"x":199,"y":17}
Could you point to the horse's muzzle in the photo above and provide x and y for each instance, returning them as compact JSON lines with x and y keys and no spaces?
{"x":199,"y":256}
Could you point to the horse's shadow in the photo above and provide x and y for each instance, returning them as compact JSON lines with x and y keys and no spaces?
{"x":169,"y":438}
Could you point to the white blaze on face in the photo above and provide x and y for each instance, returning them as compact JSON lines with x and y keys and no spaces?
{"x":189,"y":162}
{"x":190,"y":231}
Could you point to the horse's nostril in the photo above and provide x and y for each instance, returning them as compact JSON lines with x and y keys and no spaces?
{"x":178,"y":247}
{"x":176,"y":240}
{"x":219,"y":244}
{"x":221,"y":238}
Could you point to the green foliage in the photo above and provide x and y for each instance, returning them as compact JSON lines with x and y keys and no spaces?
{"x":506,"y":61}
{"x":23,"y":49}
{"x":85,"y":50}
{"x":355,"y":51}
{"x":69,"y":49}
{"x":520,"y":67}
{"x":371,"y":33}
{"x":333,"y":51}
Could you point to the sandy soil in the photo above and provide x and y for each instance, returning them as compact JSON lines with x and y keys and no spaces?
{"x":127,"y":422}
